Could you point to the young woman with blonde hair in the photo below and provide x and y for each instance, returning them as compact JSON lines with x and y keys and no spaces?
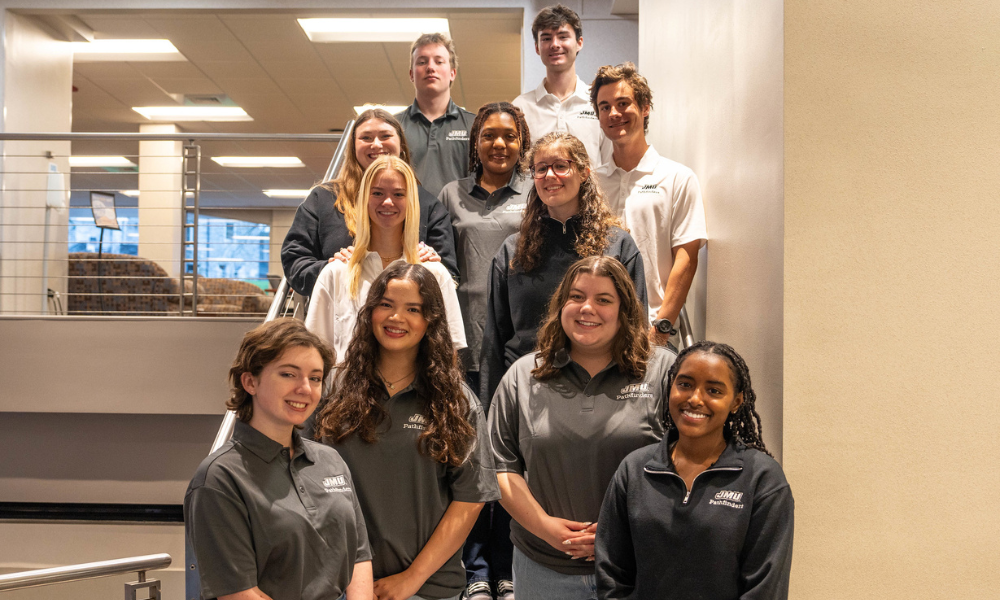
{"x":386,"y":222}
{"x":325,"y":221}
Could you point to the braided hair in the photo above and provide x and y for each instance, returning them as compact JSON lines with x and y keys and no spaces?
{"x":744,"y":424}
{"x":485,"y":112}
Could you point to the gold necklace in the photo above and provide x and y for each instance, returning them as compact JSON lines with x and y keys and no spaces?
{"x":390,"y":258}
{"x":392,"y":384}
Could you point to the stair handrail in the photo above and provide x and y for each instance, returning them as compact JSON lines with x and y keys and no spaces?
{"x":93,"y":570}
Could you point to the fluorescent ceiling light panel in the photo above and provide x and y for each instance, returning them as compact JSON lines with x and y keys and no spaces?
{"x":193,"y":113}
{"x":371,"y":30}
{"x":131,"y":193}
{"x":286,"y":193}
{"x":125,"y":50}
{"x":386,"y":107}
{"x":258,"y":161}
{"x":100,"y":161}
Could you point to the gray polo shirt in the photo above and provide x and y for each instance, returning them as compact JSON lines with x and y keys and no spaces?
{"x":482,"y":221}
{"x":568,"y":435}
{"x":404,"y":493}
{"x":292,"y":527}
{"x":439,"y":150}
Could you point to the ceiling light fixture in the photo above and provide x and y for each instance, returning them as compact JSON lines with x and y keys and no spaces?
{"x":100,"y":161}
{"x":125,"y":50}
{"x":371,"y":30}
{"x":286,"y":193}
{"x":193,"y":113}
{"x":258,"y":161}
{"x":389,"y":108}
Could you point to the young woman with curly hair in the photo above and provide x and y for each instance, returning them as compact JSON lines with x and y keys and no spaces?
{"x":324,"y":222}
{"x":385,"y":232}
{"x":485,"y":209}
{"x":565,"y":416}
{"x":705,"y":513}
{"x":259,"y":512}
{"x":566,"y":219}
{"x":414,"y":436}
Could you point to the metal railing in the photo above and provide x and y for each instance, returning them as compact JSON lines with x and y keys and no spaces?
{"x":160,"y":261}
{"x":94,"y":570}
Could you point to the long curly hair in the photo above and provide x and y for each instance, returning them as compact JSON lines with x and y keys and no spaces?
{"x":362,"y":220}
{"x":345,"y":185}
{"x":485,"y":112}
{"x":595,"y":218}
{"x":356,"y":407}
{"x":744,"y":424}
{"x":630,"y":348}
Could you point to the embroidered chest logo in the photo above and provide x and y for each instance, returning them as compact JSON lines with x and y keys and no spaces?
{"x":518,"y":208}
{"x":587,"y":114}
{"x":635,"y":391}
{"x":417,"y":421}
{"x":729,"y":498}
{"x":649,"y":188}
{"x":458,"y":135}
{"x":336,"y":483}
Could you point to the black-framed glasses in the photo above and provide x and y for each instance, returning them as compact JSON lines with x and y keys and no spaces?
{"x":560,"y":168}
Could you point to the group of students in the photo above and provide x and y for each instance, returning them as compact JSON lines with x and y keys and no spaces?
{"x":543,"y":380}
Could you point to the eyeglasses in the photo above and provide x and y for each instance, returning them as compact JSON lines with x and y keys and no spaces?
{"x":560,"y":168}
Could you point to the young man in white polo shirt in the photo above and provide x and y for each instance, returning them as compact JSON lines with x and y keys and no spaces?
{"x":437,"y":129}
{"x":561,"y":102}
{"x":659,"y":199}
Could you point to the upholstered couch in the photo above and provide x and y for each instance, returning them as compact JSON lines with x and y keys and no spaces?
{"x":133,"y":285}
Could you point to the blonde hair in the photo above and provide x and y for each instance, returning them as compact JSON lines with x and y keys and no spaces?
{"x":362,"y":220}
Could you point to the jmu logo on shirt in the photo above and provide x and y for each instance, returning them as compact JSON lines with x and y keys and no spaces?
{"x":335,"y":483}
{"x":649,"y":188}
{"x":635,"y":391}
{"x":587,"y":114}
{"x":730,"y":498}
{"x":458,"y":135}
{"x":519,"y":208}
{"x":417,"y":421}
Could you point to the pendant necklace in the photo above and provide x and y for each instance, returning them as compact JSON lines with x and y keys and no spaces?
{"x":392,"y":384}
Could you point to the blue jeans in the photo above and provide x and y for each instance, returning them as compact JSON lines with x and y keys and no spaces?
{"x":532,"y":581}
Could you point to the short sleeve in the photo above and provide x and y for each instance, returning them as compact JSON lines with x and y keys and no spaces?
{"x":453,"y":310}
{"x":218,"y":526}
{"x":476,"y":479}
{"x":364,"y":551}
{"x":505,"y":426}
{"x":687,"y":215}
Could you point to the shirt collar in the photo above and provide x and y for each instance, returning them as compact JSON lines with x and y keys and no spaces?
{"x":264,"y":447}
{"x":731,"y":457}
{"x":452,"y":112}
{"x":515,"y":184}
{"x":646,"y":164}
{"x":582,"y":90}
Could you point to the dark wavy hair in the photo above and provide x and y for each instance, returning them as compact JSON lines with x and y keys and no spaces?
{"x":485,"y":112}
{"x":356,"y":407}
{"x":596,"y":219}
{"x":554,"y":17}
{"x":744,"y":424}
{"x":626,"y":72}
{"x":630,"y":348}
{"x":346,"y":185}
{"x":263,"y":345}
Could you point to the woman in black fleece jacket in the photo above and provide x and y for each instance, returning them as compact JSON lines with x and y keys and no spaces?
{"x":706,"y":513}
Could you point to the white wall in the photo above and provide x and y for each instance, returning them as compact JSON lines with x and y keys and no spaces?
{"x":36,"y":97}
{"x":716,"y":73}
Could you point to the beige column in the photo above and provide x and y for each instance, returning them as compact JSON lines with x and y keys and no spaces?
{"x":892,"y":283}
{"x":37,"y":74}
{"x":160,"y":226}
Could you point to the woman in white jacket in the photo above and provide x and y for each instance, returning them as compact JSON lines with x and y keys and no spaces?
{"x":387,"y":221}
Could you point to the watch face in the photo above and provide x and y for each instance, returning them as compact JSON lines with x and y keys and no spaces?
{"x":663,"y":325}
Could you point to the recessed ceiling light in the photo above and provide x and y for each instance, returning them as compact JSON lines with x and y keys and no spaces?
{"x":123,"y":50}
{"x":391,"y":109}
{"x":193,"y":113}
{"x":258,"y":161}
{"x":371,"y":30}
{"x":132,"y":193}
{"x":286,"y":193}
{"x":100,"y":161}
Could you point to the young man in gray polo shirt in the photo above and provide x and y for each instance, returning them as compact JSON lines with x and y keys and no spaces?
{"x":437,"y":129}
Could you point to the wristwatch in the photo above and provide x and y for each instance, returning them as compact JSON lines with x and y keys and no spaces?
{"x":664,"y":326}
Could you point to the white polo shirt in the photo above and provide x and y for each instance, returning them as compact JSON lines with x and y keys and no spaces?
{"x":333,"y":313}
{"x":660,"y":201}
{"x":544,"y":113}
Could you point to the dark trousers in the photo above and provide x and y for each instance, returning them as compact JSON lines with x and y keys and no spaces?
{"x":488,"y":554}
